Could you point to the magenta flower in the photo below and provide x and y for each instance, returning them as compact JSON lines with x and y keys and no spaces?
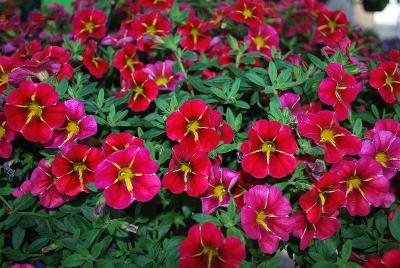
{"x":162,"y":74}
{"x":384,"y":124}
{"x":265,"y":216}
{"x":77,"y":126}
{"x":291,"y":101}
{"x":385,"y":149}
{"x":220,"y":181}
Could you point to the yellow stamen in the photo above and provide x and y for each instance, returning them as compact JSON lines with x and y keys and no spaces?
{"x":194,"y":32}
{"x":332,"y":25}
{"x":151,"y":30}
{"x":129,"y":63}
{"x":388,"y":80}
{"x":353,"y":182}
{"x":260,"y":219}
{"x":322,"y":198}
{"x":126,"y":174}
{"x":162,"y":81}
{"x":381,"y":158}
{"x":186,"y":169}
{"x":3,"y":79}
{"x":80,"y":167}
{"x":268,"y":148}
{"x":89,"y":26}
{"x":210,"y":252}
{"x":34,"y":110}
{"x":219,"y":192}
{"x":2,"y":132}
{"x":327,"y":135}
{"x":247,"y":13}
{"x":259,"y":42}
{"x":192,"y":127}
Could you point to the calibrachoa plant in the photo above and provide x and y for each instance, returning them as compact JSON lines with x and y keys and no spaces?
{"x":196,"y":134}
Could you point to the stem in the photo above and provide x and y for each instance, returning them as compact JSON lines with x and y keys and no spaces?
{"x":6,"y":203}
{"x":180,"y":63}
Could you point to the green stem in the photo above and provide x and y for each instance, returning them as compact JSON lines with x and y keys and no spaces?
{"x":6,"y":203}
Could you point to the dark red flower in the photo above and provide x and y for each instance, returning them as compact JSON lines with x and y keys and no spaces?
{"x":188,"y":170}
{"x":332,"y":26}
{"x":269,"y":150}
{"x":96,"y":65}
{"x":75,"y":168}
{"x":325,"y":197}
{"x":33,"y":110}
{"x":323,"y":128}
{"x":262,"y":38}
{"x":364,"y":185}
{"x":7,"y":64}
{"x":126,"y":60}
{"x":249,"y":12}
{"x":89,"y":23}
{"x":6,"y":137}
{"x":205,"y":246}
{"x":340,"y":89}
{"x":119,"y":141}
{"x":145,"y":90}
{"x":325,"y":227}
{"x":128,"y":175}
{"x":386,"y":79}
{"x":390,"y":259}
{"x":195,"y":122}
{"x":194,"y":35}
{"x":158,"y":4}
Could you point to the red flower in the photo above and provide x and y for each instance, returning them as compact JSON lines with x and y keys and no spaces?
{"x":325,"y":227}
{"x":332,"y":26}
{"x":269,"y":150}
{"x":43,"y":185}
{"x":244,"y":183}
{"x":146,"y":27}
{"x":325,"y":197}
{"x":265,"y":217}
{"x":323,"y":128}
{"x":194,"y":36}
{"x":96,"y":65}
{"x":221,"y":181}
{"x":6,"y":137}
{"x":390,"y":260}
{"x":340,"y":89}
{"x":33,"y":110}
{"x":195,"y":122}
{"x":119,"y":141}
{"x":364,"y":185}
{"x":126,"y":176}
{"x":145,"y":90}
{"x":89,"y":23}
{"x":386,"y":79}
{"x":262,"y":38}
{"x":75,"y":168}
{"x":7,"y":64}
{"x":188,"y":170}
{"x":158,"y":4}
{"x":248,"y":12}
{"x":205,"y":246}
{"x":384,"y":125}
{"x":126,"y":60}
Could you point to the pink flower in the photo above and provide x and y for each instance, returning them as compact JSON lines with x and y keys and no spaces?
{"x":262,"y":38}
{"x":162,"y":74}
{"x":220,"y":181}
{"x":265,"y":217}
{"x":119,"y":141}
{"x":384,"y":124}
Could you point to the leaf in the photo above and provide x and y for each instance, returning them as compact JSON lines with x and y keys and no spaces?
{"x":394,"y":226}
{"x":242,"y":104}
{"x":272,"y":71}
{"x":317,"y":62}
{"x":18,"y":235}
{"x":375,"y":111}
{"x":73,"y":260}
{"x":271,"y":263}
{"x":225,"y":148}
{"x":254,"y":78}
{"x":346,"y":250}
{"x":357,"y":128}
{"x":202,"y":218}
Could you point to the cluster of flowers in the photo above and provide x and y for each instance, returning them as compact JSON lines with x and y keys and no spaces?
{"x":358,"y":178}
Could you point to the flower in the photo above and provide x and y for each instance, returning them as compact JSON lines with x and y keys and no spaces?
{"x":248,"y":12}
{"x":262,"y":38}
{"x":77,"y":125}
{"x":386,"y":79}
{"x":162,"y":73}
{"x":332,"y":26}
{"x":205,"y":246}
{"x":96,"y":65}
{"x":340,"y":89}
{"x":126,"y":176}
{"x":188,"y":170}
{"x":325,"y":197}
{"x":194,"y":36}
{"x":220,"y":181}
{"x":145,"y":91}
{"x":7,"y":65}
{"x":363,"y":184}
{"x":325,"y":227}
{"x":158,"y":4}
{"x":89,"y":23}
{"x":390,"y":260}
{"x":269,"y":150}
{"x":384,"y":124}
{"x":7,"y":135}
{"x":119,"y":141}
{"x":244,"y":183}
{"x":385,"y":149}
{"x":195,"y":122}
{"x":33,"y":110}
{"x":75,"y":168}
{"x":265,"y":217}
{"x":127,"y":61}
{"x":43,"y":185}
{"x":323,"y":128}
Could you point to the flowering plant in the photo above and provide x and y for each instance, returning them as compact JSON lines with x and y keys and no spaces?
{"x":211,"y":134}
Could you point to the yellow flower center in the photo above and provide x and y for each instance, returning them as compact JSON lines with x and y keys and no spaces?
{"x":34,"y":110}
{"x":186,"y":169}
{"x":89,"y":26}
{"x":194,"y":32}
{"x":72,"y":128}
{"x":381,"y":158}
{"x":260,"y":219}
{"x":129,"y":62}
{"x":259,"y":42}
{"x":192,"y":127}
{"x":210,"y":252}
{"x":353,"y":182}
{"x":2,"y":132}
{"x":3,"y":79}
{"x":247,"y":13}
{"x":327,"y":135}
{"x":322,"y":198}
{"x":138,"y":91}
{"x":80,"y":167}
{"x":267,"y":148}
{"x":388,"y":80}
{"x":151,"y":30}
{"x":162,"y":81}
{"x":332,"y":25}
{"x":219,"y":192}
{"x":126,"y":174}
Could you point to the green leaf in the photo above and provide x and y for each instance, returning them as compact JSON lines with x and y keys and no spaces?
{"x":18,"y":235}
{"x":394,"y":226}
{"x":62,"y":87}
{"x":357,"y":128}
{"x":375,"y":111}
{"x":346,"y":250}
{"x":271,"y":263}
{"x":272,"y":71}
{"x":202,"y":218}
{"x":317,"y":62}
{"x":73,"y":260}
{"x":254,"y":78}
{"x":225,"y":148}
{"x":242,"y":104}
